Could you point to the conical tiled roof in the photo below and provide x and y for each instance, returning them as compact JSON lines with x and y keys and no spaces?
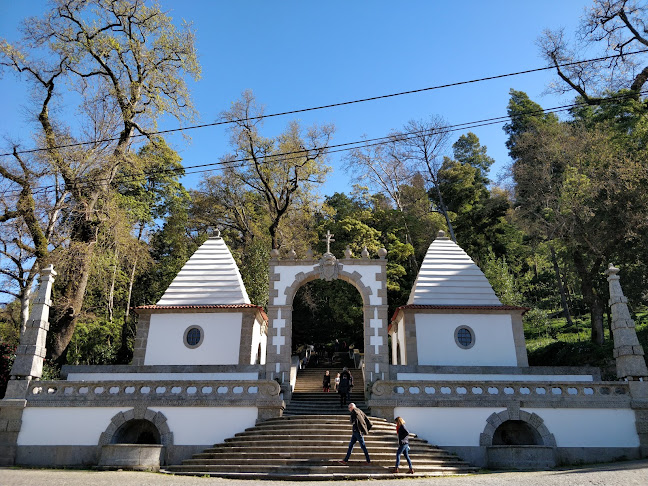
{"x":210,"y":277}
{"x":448,"y":276}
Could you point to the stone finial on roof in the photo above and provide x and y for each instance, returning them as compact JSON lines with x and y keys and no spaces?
{"x":441,"y":234}
{"x":348,"y":253}
{"x":628,"y":352}
{"x":364,"y":253}
{"x":382,"y":253}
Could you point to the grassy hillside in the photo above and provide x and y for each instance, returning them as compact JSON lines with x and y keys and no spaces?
{"x":552,"y":343}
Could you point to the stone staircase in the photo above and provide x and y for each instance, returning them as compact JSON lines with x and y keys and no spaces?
{"x":309,"y":399}
{"x":309,"y":440}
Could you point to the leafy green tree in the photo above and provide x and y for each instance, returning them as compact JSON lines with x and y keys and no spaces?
{"x":126,"y":63}
{"x":282,"y":170}
{"x":578,"y":184}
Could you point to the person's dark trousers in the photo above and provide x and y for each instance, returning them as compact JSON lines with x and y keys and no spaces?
{"x":403,"y":449}
{"x":357,"y":437}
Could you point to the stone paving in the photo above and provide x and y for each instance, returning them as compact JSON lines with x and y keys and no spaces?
{"x":631,"y":473}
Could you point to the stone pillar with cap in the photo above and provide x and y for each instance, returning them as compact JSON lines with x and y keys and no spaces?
{"x":30,"y":353}
{"x":28,"y":365}
{"x":628,"y":352}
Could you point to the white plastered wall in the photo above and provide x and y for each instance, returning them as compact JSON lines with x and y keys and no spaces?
{"x":571,"y":427}
{"x":162,"y":376}
{"x":80,"y":426}
{"x":493,"y":338}
{"x":220,"y":345}
{"x":207,"y":425}
{"x":398,"y":342}
{"x":83,"y":426}
{"x":258,"y":339}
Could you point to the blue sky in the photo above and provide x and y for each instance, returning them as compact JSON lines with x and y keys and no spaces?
{"x":298,"y":54}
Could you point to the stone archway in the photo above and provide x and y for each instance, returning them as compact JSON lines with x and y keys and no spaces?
{"x":368,"y":276}
{"x":156,"y":419}
{"x":532,"y":421}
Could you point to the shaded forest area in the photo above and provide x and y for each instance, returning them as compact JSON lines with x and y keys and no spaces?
{"x":117,"y":224}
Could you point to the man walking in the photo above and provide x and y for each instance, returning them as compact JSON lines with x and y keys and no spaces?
{"x":361,"y":427}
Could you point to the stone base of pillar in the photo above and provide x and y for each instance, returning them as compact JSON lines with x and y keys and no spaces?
{"x":10,"y":422}
{"x":17,"y":389}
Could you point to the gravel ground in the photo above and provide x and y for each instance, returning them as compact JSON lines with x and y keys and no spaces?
{"x":629,"y":473}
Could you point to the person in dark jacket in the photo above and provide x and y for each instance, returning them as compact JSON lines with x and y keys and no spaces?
{"x":344,"y":388}
{"x":403,"y":444}
{"x":326,"y":382}
{"x":361,"y":427}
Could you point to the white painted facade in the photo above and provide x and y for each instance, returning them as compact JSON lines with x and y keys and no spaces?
{"x":571,"y":427}
{"x":234,"y":376}
{"x":78,"y":426}
{"x":206,"y":425}
{"x":259,"y":344}
{"x":590,"y":427}
{"x":491,"y":377}
{"x":493,"y":340}
{"x":82,"y":426}
{"x":220,"y":345}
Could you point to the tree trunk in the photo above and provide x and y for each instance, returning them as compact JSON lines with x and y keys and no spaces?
{"x":130,"y":289}
{"x":444,"y":211}
{"x":25,"y":296}
{"x":591,"y":295}
{"x":561,"y":287}
{"x":125,"y":354}
{"x":111,"y":293}
{"x":71,"y":298}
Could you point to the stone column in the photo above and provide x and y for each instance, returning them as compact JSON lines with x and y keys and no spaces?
{"x":628,"y":352}
{"x":27,"y":365}
{"x":31,"y":351}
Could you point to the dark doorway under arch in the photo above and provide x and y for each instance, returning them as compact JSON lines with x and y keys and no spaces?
{"x":516,"y":432}
{"x":325,"y":311}
{"x":137,"y":431}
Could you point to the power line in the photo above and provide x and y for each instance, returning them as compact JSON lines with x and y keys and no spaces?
{"x":342,"y":147}
{"x":333,"y":105}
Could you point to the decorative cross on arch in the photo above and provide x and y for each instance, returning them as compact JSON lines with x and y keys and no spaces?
{"x":328,"y":239}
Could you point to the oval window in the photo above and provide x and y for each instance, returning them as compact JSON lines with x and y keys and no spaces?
{"x":464,"y":337}
{"x":193,"y":336}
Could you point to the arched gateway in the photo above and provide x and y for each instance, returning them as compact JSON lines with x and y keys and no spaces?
{"x":367,"y":275}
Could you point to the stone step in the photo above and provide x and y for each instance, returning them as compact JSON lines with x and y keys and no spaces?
{"x":318,"y":451}
{"x":340,"y":427}
{"x":376,"y":460}
{"x":318,"y":472}
{"x":323,"y":439}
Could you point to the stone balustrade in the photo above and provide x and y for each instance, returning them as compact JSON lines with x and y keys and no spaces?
{"x":105,"y":393}
{"x":440,"y":393}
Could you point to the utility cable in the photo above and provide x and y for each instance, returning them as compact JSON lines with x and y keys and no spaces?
{"x":333,"y":105}
{"x":342,"y":147}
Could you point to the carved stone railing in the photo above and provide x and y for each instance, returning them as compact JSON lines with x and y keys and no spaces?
{"x":456,"y":393}
{"x":187,"y":393}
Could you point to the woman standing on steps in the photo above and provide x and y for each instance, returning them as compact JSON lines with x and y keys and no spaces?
{"x":326,"y":382}
{"x":403,"y":444}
